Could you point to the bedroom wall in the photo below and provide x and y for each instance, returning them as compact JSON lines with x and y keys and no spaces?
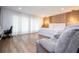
{"x":73,"y":17}
{"x":68,"y":18}
{"x":58,"y":18}
{"x":46,"y":22}
{"x":6,"y":20}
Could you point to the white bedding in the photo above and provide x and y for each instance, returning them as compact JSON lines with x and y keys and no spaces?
{"x":52,"y":30}
{"x":46,"y":32}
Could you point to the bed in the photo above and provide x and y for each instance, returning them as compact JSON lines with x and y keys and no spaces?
{"x":53,"y":29}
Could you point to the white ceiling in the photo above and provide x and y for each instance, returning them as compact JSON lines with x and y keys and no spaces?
{"x":43,"y":10}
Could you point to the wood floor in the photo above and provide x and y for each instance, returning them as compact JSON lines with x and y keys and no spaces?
{"x":19,"y":44}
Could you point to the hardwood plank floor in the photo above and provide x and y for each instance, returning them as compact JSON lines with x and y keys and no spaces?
{"x":19,"y":44}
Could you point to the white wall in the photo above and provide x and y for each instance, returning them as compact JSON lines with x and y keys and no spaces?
{"x":0,"y":17}
{"x":6,"y":19}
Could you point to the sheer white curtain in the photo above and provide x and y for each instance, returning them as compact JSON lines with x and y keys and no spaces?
{"x":22,"y":23}
{"x":35,"y":24}
{"x":15,"y":25}
{"x":25,"y":24}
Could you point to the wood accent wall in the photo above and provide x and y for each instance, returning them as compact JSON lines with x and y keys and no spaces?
{"x":58,"y":18}
{"x":72,"y":17}
{"x":45,"y":22}
{"x":67,"y":18}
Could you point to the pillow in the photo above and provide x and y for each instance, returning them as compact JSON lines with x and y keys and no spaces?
{"x":64,"y":40}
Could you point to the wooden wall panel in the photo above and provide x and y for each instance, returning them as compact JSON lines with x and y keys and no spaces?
{"x":45,"y":22}
{"x":73,"y":17}
{"x":67,"y":18}
{"x":58,"y":18}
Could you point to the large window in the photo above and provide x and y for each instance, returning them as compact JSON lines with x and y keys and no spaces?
{"x":25,"y":24}
{"x":22,"y":23}
{"x":15,"y":24}
{"x":35,"y":24}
